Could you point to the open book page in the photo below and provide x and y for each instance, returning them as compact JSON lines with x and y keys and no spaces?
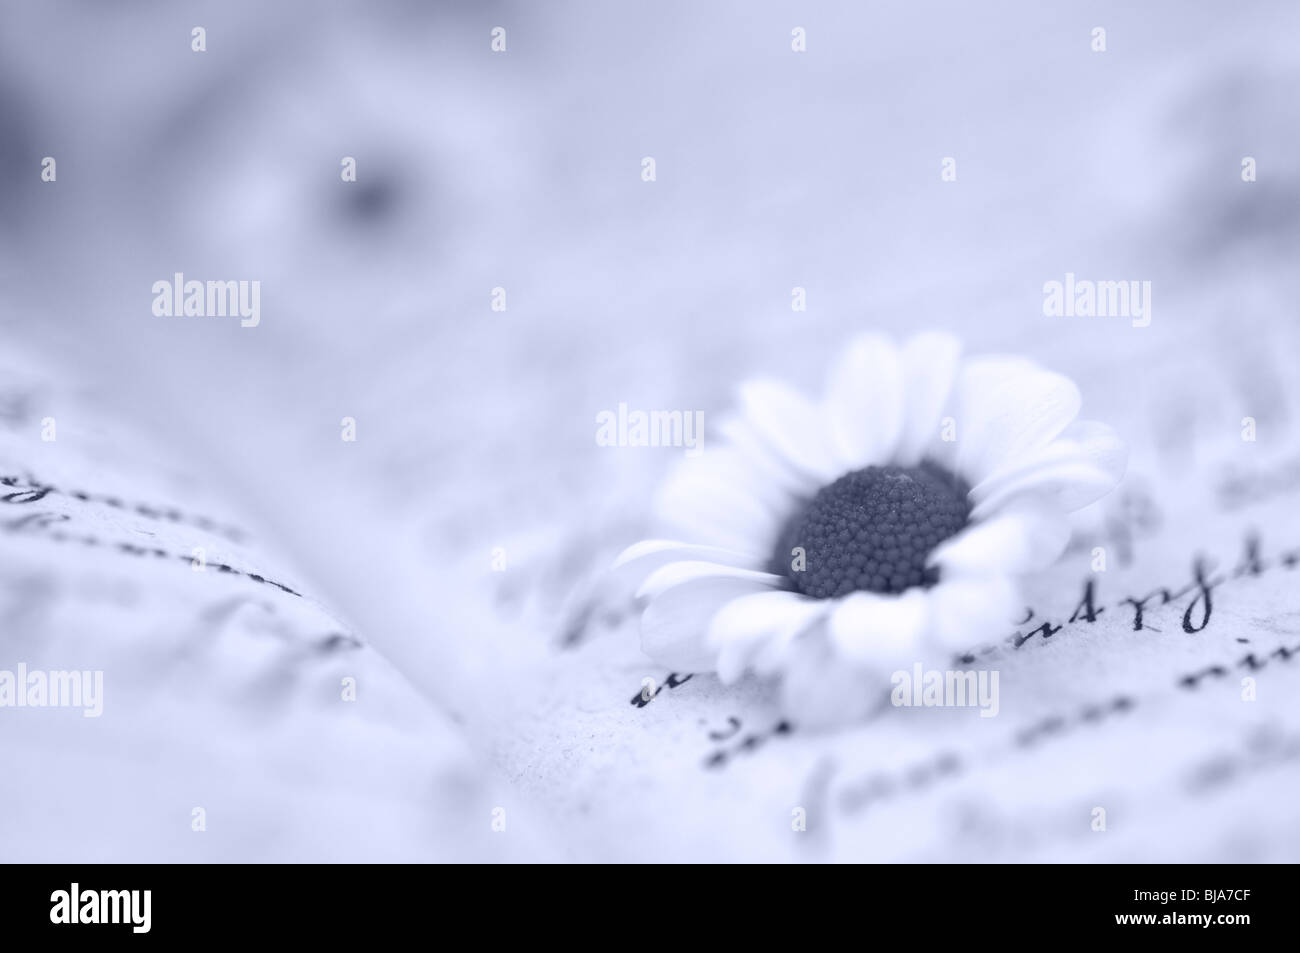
{"x":173,"y":684}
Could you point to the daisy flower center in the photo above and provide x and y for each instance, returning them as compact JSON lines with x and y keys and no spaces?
{"x":872,"y":529}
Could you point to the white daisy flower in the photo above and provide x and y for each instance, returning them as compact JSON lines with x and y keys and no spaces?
{"x":834,"y":543}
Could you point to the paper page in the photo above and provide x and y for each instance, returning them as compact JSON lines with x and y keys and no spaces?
{"x":172,"y":686}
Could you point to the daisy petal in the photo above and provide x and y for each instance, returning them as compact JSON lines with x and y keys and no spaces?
{"x":773,"y":654}
{"x":744,"y":626}
{"x":679,"y":573}
{"x":970,"y":610}
{"x":790,"y":424}
{"x":864,"y":400}
{"x":641,"y":559}
{"x":674,"y":624}
{"x":1070,"y":485}
{"x":1024,"y":540}
{"x":716,"y":500}
{"x":772,"y":469}
{"x":879,"y":629}
{"x":1086,"y":462}
{"x":641,"y":554}
{"x":929,"y":372}
{"x":1000,"y":420}
{"x":821,"y":689}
